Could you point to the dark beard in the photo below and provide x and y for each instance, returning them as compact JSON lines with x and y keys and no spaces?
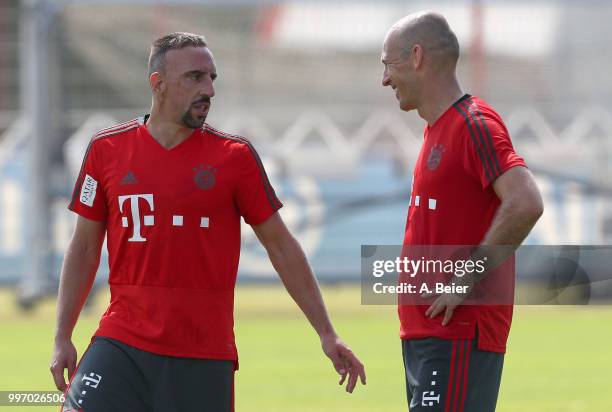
{"x":192,"y":122}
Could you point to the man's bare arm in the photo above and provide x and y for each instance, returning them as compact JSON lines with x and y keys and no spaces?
{"x":521,"y":207}
{"x":78,"y":273}
{"x":290,"y":262}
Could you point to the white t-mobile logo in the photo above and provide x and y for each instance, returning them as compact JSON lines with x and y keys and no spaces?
{"x":431,"y":202}
{"x":148,"y":220}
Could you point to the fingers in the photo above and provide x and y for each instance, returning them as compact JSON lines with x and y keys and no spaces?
{"x":62,"y":359}
{"x":57,"y":371}
{"x":352,"y":381}
{"x":346,"y":364}
{"x":342,"y":378}
{"x":448,"y":314}
{"x":358,"y":368}
{"x":356,"y":371}
{"x":338,"y":364}
{"x":435,"y":309}
{"x":362,"y":374}
{"x":441,"y":305}
{"x":71,"y":367}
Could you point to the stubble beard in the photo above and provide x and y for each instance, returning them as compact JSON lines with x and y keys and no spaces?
{"x":192,"y":122}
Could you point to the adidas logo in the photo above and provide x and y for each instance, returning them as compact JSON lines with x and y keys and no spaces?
{"x":129,"y":179}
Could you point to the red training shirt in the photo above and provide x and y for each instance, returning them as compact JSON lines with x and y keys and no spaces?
{"x":453,"y":203}
{"x":173,"y":233}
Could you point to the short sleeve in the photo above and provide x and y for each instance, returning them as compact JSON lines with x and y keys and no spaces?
{"x":489,"y":151}
{"x":255,"y":197}
{"x":88,"y":198}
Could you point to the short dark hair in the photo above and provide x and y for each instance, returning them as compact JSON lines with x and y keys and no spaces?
{"x":172,"y":41}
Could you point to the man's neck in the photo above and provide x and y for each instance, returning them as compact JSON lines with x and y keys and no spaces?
{"x":441,"y":94}
{"x":168,"y":134}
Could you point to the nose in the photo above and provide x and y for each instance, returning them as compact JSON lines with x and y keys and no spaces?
{"x":386,"y":81}
{"x":209,"y":88}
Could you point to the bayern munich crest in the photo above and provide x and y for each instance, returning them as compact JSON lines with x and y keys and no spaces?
{"x":435,"y":157}
{"x":204,"y":176}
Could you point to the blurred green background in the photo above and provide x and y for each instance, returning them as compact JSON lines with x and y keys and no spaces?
{"x":559,"y":358}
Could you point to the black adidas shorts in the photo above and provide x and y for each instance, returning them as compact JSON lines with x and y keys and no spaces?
{"x":115,"y":377}
{"x":451,"y":375}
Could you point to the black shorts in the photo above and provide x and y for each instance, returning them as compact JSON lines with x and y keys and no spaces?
{"x":451,"y":375}
{"x":113,"y":376}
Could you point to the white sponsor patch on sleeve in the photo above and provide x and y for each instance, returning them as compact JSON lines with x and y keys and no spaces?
{"x":88,"y":190}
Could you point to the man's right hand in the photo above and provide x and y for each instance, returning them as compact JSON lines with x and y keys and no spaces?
{"x":64,"y":357}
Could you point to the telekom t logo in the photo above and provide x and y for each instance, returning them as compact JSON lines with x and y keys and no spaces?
{"x":147,"y":221}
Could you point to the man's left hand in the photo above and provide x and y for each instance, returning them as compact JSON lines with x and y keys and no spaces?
{"x":446,"y":302}
{"x":344,"y":360}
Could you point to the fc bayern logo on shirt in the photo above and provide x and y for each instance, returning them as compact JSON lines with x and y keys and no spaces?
{"x":435,"y":157}
{"x":204,"y":176}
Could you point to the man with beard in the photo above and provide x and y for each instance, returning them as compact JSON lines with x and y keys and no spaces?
{"x":169,"y":190}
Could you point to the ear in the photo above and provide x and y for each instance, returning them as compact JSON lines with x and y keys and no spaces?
{"x":416,"y":56}
{"x":157,"y":83}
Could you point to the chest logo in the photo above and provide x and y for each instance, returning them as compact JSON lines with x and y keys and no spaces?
{"x":435,"y":157}
{"x":204,"y":177}
{"x":129,"y":179}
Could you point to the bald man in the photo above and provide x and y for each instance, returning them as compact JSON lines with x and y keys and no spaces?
{"x":469,"y":188}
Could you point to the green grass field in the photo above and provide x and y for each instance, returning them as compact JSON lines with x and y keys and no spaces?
{"x":559,"y":358}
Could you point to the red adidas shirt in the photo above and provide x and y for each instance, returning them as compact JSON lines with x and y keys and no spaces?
{"x":453,"y":203}
{"x":173,"y":234}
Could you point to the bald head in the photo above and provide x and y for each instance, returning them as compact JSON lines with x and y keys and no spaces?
{"x":431,"y":31}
